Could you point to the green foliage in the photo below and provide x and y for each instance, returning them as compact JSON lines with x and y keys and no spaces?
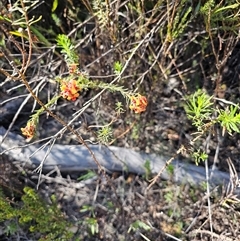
{"x":207,"y":7}
{"x":56,"y":19}
{"x":170,"y":169}
{"x":181,"y":19}
{"x":7,"y":212}
{"x":229,"y":119}
{"x":119,"y":108}
{"x":55,"y":5}
{"x":199,"y":108}
{"x":117,"y":67}
{"x":199,"y":156}
{"x":91,"y":221}
{"x":139,"y":225}
{"x":232,"y":6}
{"x":90,"y":174}
{"x":67,"y":49}
{"x":135,"y":131}
{"x":105,"y":134}
{"x":101,"y":11}
{"x":17,"y":9}
{"x":169,"y":196}
{"x":87,"y":208}
{"x":92,"y":224}
{"x":148,"y":171}
{"x":36,"y":216}
{"x":223,"y":16}
{"x":11,"y":228}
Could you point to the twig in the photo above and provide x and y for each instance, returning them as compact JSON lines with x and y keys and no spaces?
{"x":164,"y":167}
{"x":207,"y":183}
{"x":219,"y":237}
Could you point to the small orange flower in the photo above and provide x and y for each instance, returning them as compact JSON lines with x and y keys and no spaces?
{"x":69,"y":90}
{"x":29,"y":130}
{"x":138,"y":103}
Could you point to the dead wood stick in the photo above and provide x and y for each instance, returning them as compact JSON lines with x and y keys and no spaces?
{"x":70,"y":158}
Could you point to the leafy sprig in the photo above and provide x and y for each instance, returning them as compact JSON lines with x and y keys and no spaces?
{"x":68,"y":50}
{"x":199,"y":108}
{"x":229,"y":119}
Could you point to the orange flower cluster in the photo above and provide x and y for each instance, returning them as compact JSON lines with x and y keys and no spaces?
{"x":138,"y":103}
{"x":70,"y":89}
{"x":29,"y":130}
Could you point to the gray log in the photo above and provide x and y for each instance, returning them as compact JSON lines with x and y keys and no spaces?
{"x":70,"y":158}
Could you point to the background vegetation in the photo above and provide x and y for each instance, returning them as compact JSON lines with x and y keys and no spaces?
{"x":175,"y":60}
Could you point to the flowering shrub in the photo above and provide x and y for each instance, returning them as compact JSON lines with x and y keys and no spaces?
{"x":71,"y":85}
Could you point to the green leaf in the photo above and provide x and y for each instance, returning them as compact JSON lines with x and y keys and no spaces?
{"x":88,"y":175}
{"x":55,"y":5}
{"x":117,"y":67}
{"x":233,"y":6}
{"x":199,"y":108}
{"x":137,"y":225}
{"x":230,"y":119}
{"x":67,"y":48}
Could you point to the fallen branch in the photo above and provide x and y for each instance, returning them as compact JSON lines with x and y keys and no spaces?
{"x":70,"y":158}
